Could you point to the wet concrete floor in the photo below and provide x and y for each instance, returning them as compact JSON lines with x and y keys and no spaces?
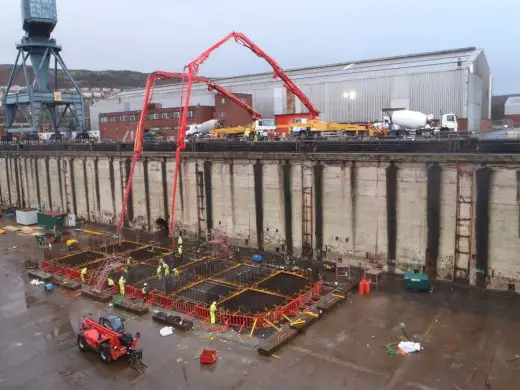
{"x":468,"y":338}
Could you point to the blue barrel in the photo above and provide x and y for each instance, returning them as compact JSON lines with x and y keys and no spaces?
{"x":258,"y":258}
{"x":48,"y":287}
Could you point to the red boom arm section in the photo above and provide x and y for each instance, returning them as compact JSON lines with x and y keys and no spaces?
{"x":139,"y":136}
{"x":193,"y":68}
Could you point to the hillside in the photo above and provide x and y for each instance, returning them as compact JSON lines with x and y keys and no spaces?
{"x":123,"y":79}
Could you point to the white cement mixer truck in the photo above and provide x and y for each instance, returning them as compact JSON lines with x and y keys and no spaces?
{"x":194,"y":131}
{"x":405,"y":122}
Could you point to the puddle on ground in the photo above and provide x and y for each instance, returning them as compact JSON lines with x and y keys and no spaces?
{"x":30,"y":301}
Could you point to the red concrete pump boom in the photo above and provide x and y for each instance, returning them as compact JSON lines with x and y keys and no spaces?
{"x":193,"y":68}
{"x":139,"y":136}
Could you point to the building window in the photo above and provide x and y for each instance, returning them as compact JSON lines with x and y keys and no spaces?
{"x":156,"y":116}
{"x":223,"y":114}
{"x":164,"y":115}
{"x":191,"y":114}
{"x":104,"y":119}
{"x":223,"y":100}
{"x":176,"y":115}
{"x":124,"y":118}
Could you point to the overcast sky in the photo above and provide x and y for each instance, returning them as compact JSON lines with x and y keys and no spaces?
{"x":166,"y":34}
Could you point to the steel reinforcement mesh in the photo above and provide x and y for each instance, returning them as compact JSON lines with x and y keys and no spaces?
{"x":175,"y":284}
{"x":206,"y":292}
{"x":168,"y":284}
{"x":244,"y":275}
{"x":96,"y":265}
{"x":78,"y":259}
{"x":148,"y":253}
{"x":124,"y":246}
{"x":252,"y":302}
{"x":206,"y":268}
{"x":286,"y":284}
{"x":155,"y":284}
{"x":140,"y":272}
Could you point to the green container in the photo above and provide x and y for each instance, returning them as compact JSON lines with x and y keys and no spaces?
{"x":416,"y":282}
{"x":51,"y":220}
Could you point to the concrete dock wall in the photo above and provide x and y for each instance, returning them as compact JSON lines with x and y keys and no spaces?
{"x":458,"y":213}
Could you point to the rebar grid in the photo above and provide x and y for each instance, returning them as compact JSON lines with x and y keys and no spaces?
{"x":251,"y":301}
{"x":206,"y":292}
{"x":285,"y":283}
{"x":243,"y":275}
{"x":148,"y":253}
{"x":207,"y":268}
{"x":119,"y":248}
{"x":78,"y":259}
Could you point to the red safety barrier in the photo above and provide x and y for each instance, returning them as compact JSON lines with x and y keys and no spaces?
{"x":133,"y":292}
{"x":113,"y":290}
{"x":71,"y":273}
{"x":317,"y":287}
{"x":47,"y":267}
{"x":236,"y":320}
{"x":225,"y":318}
{"x":160,"y":300}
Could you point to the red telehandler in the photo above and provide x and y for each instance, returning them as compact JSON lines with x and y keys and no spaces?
{"x":108,"y":338}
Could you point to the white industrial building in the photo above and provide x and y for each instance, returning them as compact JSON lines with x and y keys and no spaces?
{"x":457,"y":81}
{"x":512,"y":106}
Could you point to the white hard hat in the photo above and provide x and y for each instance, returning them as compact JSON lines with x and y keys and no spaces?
{"x":146,"y":284}
{"x":214,"y":303}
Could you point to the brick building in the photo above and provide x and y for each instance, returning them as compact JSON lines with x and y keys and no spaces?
{"x":119,"y":126}
{"x":230,"y":113}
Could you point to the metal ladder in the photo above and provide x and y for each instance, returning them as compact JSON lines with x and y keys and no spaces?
{"x":109,"y":264}
{"x":307,"y":210}
{"x":201,"y":203}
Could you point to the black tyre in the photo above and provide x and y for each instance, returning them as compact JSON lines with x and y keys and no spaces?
{"x":104,"y":354}
{"x":82,"y":344}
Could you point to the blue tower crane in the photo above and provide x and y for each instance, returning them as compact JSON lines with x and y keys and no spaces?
{"x":39,"y":19}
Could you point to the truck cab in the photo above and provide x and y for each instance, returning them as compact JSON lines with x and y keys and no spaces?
{"x":264,"y":125}
{"x":299,"y":127}
{"x":192,"y":130}
{"x":449,"y":122}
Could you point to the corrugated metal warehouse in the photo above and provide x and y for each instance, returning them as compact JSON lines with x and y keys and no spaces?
{"x":512,"y":106}
{"x":457,"y":81}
